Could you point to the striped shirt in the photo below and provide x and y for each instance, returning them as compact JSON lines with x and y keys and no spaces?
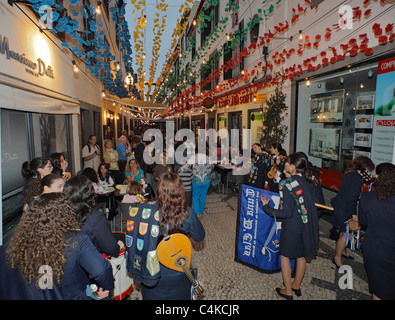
{"x":185,"y":173}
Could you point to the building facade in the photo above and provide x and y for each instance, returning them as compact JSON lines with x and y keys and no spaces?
{"x":325,"y":54}
{"x":57,"y":64}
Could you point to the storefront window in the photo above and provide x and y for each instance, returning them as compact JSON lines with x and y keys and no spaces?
{"x":335,"y":116}
{"x":256,"y":125}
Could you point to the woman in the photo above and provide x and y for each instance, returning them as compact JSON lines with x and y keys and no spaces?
{"x":299,"y":231}
{"x":48,"y":241}
{"x":377,"y":211}
{"x":59,"y":165}
{"x":200,"y":182}
{"x":174,"y":285}
{"x":91,"y":174}
{"x":345,"y":202}
{"x":52,"y":183}
{"x":133,"y":171}
{"x":110,"y":157}
{"x":276,"y":173}
{"x":134,"y":193}
{"x":94,"y":223}
{"x":260,"y":167}
{"x":33,"y":172}
{"x":104,"y":175}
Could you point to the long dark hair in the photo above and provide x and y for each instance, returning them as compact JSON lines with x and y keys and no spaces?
{"x":56,"y":159}
{"x":298,"y":159}
{"x":29,"y":169}
{"x":360,"y":163}
{"x":172,"y":199}
{"x":386,"y":183}
{"x":91,"y":174}
{"x":107,"y":175}
{"x":82,"y":195}
{"x":280,"y":149}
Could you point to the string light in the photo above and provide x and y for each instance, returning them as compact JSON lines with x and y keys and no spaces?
{"x":75,"y":68}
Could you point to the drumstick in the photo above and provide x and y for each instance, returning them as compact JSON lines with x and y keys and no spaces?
{"x":324,"y":206}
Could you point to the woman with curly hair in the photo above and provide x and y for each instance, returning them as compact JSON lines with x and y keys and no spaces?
{"x":48,"y":257}
{"x":176,"y":214}
{"x":345,"y":202}
{"x":94,"y":223}
{"x":377,"y":211}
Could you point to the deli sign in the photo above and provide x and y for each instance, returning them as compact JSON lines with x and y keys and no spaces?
{"x":36,"y":68}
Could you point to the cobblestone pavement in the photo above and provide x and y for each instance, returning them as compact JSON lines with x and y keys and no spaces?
{"x":225,"y":279}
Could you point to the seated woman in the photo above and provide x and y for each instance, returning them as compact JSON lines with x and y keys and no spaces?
{"x":94,"y":223}
{"x":48,"y":238}
{"x":134,"y":191}
{"x":33,"y":172}
{"x":60,"y":165}
{"x":93,"y":177}
{"x":104,"y":175}
{"x":133,"y":171}
{"x":52,"y":183}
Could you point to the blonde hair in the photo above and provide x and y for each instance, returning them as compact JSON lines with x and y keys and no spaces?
{"x":106,"y":142}
{"x":134,"y":188}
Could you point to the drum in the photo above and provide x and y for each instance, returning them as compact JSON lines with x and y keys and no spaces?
{"x":123,"y":283}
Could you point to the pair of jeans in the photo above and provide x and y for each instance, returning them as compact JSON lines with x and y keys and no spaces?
{"x":199,"y":194}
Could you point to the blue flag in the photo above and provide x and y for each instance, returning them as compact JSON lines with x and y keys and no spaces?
{"x":258,"y":234}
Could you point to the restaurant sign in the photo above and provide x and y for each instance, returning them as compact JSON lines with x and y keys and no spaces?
{"x":36,"y":68}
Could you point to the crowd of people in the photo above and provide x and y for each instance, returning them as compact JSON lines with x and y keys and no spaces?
{"x":62,"y":228}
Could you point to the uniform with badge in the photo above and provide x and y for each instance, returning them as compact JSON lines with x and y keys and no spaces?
{"x":142,"y":234}
{"x":298,"y":214}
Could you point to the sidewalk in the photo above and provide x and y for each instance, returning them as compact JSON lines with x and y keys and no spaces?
{"x":225,"y":279}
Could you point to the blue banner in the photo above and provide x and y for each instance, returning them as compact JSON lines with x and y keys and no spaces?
{"x":258,"y":235}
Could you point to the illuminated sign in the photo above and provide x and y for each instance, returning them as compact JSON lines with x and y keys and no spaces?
{"x":37,"y":69}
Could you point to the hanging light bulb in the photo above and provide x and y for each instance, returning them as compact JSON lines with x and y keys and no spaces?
{"x":300,"y":35}
{"x":98,"y":8}
{"x":75,"y":68}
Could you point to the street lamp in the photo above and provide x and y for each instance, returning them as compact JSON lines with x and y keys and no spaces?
{"x":129,"y":82}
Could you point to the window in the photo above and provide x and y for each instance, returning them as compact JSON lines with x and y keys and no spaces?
{"x":209,"y":24}
{"x":254,"y":33}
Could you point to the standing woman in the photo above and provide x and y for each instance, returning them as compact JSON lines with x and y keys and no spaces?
{"x":200,"y":182}
{"x":33,"y":172}
{"x":345,"y":202}
{"x":110,"y":157}
{"x":299,"y":231}
{"x":260,"y":167}
{"x":377,"y":211}
{"x":174,"y":285}
{"x":82,"y":195}
{"x":276,"y":173}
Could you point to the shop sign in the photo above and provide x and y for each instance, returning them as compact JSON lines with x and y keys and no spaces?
{"x":235,"y":99}
{"x":36,"y":68}
{"x":383,"y":141}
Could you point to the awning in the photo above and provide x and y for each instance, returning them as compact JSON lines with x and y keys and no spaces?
{"x":16,"y":94}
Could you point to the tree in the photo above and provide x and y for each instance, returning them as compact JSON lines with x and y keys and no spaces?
{"x":273,"y":116}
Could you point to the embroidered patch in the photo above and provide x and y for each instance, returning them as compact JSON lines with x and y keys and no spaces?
{"x":299,"y":192}
{"x":140,"y":244}
{"x":143,"y":227}
{"x":154,"y":231}
{"x":137,"y":262}
{"x":156,"y":215}
{"x":294,"y":184}
{"x":133,"y":211}
{"x":152,"y":263}
{"x":130,"y":225}
{"x":301,"y":200}
{"x":129,"y":241}
{"x":146,"y":213}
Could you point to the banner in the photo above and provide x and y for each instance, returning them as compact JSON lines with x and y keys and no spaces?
{"x":257,"y":234}
{"x":384,"y":113}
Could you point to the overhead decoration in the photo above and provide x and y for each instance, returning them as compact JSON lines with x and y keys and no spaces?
{"x":178,"y":100}
{"x":159,"y":28}
{"x":89,"y":45}
{"x":139,"y":38}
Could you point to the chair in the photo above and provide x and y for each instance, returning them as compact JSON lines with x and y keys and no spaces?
{"x":123,"y":213}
